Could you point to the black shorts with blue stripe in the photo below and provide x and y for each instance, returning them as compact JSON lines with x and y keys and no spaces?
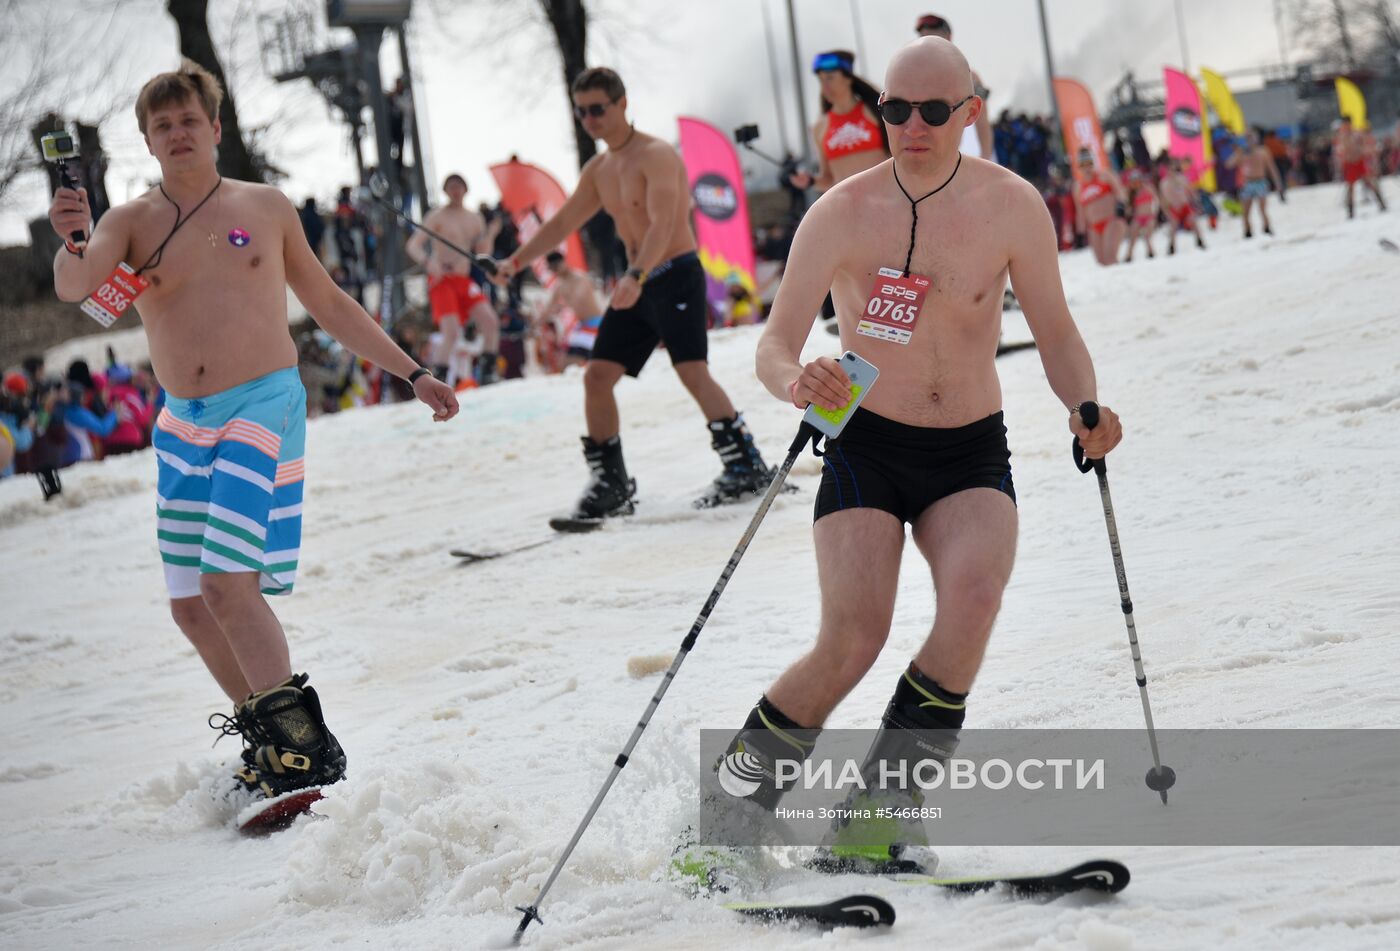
{"x":878,"y":463}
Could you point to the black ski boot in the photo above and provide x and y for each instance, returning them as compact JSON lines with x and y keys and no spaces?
{"x":744,"y":472}
{"x":486,"y":366}
{"x":609,"y":491}
{"x":294,"y":750}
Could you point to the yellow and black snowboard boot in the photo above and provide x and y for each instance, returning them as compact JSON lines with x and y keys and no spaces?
{"x":292,"y":748}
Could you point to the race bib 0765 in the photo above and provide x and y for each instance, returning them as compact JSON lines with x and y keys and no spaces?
{"x":892,"y":312}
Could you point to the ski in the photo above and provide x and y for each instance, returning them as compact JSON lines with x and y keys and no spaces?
{"x":1004,"y":348}
{"x":471,"y":557}
{"x":853,"y":911}
{"x":1100,"y":875}
{"x":576,"y":526}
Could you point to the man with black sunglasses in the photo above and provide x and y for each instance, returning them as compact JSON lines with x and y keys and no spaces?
{"x":916,"y":253}
{"x":641,"y":182}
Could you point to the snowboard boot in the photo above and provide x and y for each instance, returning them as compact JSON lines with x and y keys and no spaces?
{"x":243,"y":726}
{"x":1201,"y":243}
{"x":294,"y":750}
{"x":609,"y":491}
{"x":920,"y":723}
{"x":744,"y":473}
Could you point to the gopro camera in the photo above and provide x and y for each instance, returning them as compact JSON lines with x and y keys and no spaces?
{"x":745,"y":134}
{"x":59,"y":148}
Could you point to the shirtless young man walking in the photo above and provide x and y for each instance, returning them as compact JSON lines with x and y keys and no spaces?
{"x":573,"y":289}
{"x":928,"y":446}
{"x":454,"y":296}
{"x":641,"y":182}
{"x":1257,"y":169}
{"x":1180,"y":202}
{"x":219,"y":256}
{"x":1354,"y":165}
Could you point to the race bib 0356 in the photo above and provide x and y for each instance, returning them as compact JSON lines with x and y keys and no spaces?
{"x":115,"y":295}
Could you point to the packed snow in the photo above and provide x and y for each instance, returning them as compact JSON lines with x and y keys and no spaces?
{"x":482,"y":705}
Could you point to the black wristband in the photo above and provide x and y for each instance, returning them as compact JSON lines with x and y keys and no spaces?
{"x":637,"y":274}
{"x":421,"y":371}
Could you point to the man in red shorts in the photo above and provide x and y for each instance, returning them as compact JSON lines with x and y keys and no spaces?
{"x":454,"y":296}
{"x":1350,"y":153}
{"x":1179,"y":199}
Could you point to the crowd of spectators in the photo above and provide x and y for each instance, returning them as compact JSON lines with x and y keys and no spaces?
{"x":50,"y":422}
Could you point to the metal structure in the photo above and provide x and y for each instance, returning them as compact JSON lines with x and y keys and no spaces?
{"x":348,"y":77}
{"x":1133,"y":102}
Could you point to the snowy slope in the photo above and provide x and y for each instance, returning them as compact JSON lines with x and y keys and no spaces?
{"x":482,"y":706}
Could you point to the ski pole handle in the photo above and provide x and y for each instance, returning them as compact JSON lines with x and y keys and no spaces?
{"x":1089,"y":412}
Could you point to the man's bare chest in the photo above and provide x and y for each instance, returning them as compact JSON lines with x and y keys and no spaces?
{"x":461,"y":227}
{"x":220,"y":245}
{"x":622,"y":186}
{"x":962,"y":256}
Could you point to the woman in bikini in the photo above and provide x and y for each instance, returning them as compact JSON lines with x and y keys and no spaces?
{"x":1099,"y":204}
{"x":1142,"y":199}
{"x":850,"y":137}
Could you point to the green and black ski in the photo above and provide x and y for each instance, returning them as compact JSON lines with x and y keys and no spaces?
{"x":853,"y":911}
{"x":1100,"y":875}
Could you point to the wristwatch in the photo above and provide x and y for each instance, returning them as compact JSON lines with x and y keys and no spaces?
{"x":637,"y":274}
{"x":421,"y":371}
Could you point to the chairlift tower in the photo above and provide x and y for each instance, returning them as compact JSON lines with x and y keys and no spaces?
{"x":350,"y":80}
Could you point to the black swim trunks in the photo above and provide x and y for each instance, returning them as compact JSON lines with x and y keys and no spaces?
{"x":672,"y":309}
{"x":878,"y":463}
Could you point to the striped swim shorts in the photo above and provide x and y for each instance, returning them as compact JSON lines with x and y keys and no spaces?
{"x":230,"y":470}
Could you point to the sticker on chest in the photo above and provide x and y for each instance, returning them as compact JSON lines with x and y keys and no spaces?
{"x":239,"y":238}
{"x":892,"y":312}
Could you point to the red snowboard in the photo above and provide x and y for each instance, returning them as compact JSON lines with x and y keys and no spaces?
{"x":272,"y":815}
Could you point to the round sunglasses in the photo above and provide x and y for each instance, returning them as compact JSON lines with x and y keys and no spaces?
{"x":934,"y":112}
{"x":594,"y":109}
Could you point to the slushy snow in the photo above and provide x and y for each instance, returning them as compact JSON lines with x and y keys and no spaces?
{"x":481,"y":706}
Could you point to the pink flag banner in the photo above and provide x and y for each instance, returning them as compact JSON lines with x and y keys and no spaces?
{"x":721,"y":208}
{"x":1186,"y":122}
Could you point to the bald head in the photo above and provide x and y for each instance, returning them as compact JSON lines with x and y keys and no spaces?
{"x":929,"y":68}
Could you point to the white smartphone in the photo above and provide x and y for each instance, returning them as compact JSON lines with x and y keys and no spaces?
{"x":862,"y":374}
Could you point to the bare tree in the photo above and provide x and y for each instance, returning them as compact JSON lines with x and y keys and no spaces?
{"x":1348,"y":35}
{"x":50,"y":49}
{"x":569,"y":21}
{"x":236,"y":160}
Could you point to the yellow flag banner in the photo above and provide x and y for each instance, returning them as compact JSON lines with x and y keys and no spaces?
{"x":1351,"y":103}
{"x":1222,"y":100}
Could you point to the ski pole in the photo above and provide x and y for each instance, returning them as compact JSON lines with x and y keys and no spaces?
{"x":379,"y":187}
{"x":1160,"y":778}
{"x":805,"y":434}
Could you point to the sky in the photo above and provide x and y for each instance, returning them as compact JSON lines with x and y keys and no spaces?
{"x":490,"y":83}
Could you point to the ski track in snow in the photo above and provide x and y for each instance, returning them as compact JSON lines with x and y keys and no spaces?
{"x":481,"y":706}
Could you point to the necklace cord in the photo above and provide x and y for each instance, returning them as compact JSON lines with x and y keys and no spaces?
{"x":914,"y":206}
{"x":155,"y":258}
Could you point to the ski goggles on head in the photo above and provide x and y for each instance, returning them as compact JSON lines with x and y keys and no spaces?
{"x":932,"y":21}
{"x":826,"y":62}
{"x":934,"y":112}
